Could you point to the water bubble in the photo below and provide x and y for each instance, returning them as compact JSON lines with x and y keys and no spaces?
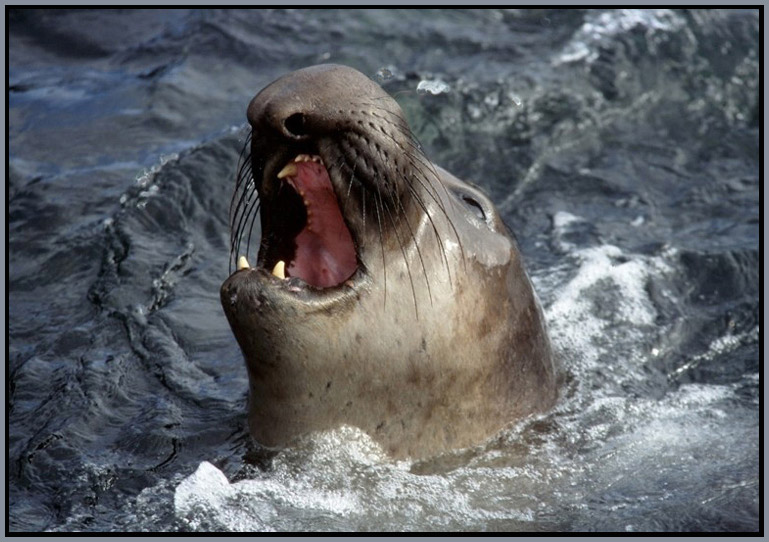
{"x":492,"y":100}
{"x":384,"y":74}
{"x":165,"y":159}
{"x":143,"y":178}
{"x":474,"y":111}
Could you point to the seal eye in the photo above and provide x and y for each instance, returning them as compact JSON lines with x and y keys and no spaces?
{"x":295,"y":125}
{"x":474,"y":206}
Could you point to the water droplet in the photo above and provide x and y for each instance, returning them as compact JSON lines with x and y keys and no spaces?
{"x":474,"y":111}
{"x":432,"y":87}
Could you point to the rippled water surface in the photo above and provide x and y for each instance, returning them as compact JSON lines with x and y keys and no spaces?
{"x":622,"y":147}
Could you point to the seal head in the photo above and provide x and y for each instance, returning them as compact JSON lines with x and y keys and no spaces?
{"x":387,"y":294}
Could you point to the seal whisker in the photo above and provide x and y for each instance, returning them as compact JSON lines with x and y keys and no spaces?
{"x":419,"y":155}
{"x":409,"y":156}
{"x":256,"y":206}
{"x":241,"y":190}
{"x":349,"y":186}
{"x":244,"y":194}
{"x":444,"y":211}
{"x":402,"y":212}
{"x":245,"y":176}
{"x":244,"y":168}
{"x":427,"y":185}
{"x":246,"y":143}
{"x":245,"y":197}
{"x":363,"y":207}
{"x":244,"y":162}
{"x":244,"y":186}
{"x":416,"y":245}
{"x":438,"y":202}
{"x":405,"y":259}
{"x":250,"y":207}
{"x":381,"y":243}
{"x":242,"y":174}
{"x":442,"y":249}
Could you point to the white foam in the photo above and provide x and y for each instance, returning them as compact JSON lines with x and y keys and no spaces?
{"x":572,"y":316}
{"x":339,"y":480}
{"x":601,"y":438}
{"x":601,"y":26}
{"x":717,"y":347}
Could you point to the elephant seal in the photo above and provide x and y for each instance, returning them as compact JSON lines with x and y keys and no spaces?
{"x":387,"y":294}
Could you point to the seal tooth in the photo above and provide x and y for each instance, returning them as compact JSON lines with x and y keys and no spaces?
{"x":280,"y":269}
{"x":288,"y":171}
{"x":243,"y":263}
{"x":303,"y":158}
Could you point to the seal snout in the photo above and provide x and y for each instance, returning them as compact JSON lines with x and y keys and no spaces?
{"x":310,"y":157}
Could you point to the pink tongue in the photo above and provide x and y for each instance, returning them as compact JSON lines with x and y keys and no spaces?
{"x":325,"y":254}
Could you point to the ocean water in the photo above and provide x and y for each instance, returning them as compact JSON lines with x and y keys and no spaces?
{"x":621,"y":146}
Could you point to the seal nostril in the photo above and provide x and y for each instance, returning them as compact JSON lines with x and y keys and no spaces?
{"x":295,"y":125}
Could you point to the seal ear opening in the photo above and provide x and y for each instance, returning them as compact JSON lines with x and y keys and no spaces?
{"x":474,"y":206}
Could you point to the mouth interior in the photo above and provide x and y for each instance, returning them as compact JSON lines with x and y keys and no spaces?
{"x":324,"y":254}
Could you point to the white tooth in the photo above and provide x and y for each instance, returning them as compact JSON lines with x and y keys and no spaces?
{"x":288,"y":171}
{"x":280,"y":269}
{"x":243,"y":263}
{"x":302,"y":158}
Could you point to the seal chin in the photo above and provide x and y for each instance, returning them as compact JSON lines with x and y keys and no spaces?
{"x":250,"y":291}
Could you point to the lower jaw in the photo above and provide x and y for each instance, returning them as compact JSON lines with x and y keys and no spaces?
{"x":279,"y":276}
{"x":259,"y":286}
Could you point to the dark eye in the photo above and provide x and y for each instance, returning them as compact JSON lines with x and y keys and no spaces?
{"x":474,"y":206}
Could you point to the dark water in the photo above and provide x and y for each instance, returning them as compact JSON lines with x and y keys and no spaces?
{"x":621,"y":146}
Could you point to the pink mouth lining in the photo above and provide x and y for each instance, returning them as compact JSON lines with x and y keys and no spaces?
{"x":325,"y":253}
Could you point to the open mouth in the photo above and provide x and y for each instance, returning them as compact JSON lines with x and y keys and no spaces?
{"x":307,"y":237}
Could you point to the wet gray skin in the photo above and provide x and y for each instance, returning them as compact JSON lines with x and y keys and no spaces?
{"x":436,"y":339}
